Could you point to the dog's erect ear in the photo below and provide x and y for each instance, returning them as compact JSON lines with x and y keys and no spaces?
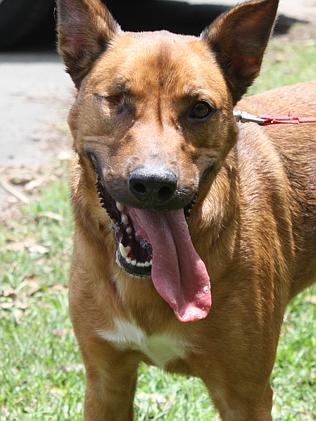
{"x":85,"y":28}
{"x":238,"y":38}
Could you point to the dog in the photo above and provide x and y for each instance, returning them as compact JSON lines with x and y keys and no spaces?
{"x":192,"y":231}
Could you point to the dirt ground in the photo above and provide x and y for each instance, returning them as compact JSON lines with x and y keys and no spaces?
{"x":35,"y":96}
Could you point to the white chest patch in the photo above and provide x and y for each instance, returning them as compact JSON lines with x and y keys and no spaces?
{"x":159,"y":348}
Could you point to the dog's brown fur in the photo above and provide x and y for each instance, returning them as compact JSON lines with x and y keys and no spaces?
{"x":254,"y":224}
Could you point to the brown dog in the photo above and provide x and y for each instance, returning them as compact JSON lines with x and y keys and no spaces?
{"x":187,"y":196}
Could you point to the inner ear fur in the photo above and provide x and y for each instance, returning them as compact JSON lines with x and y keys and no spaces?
{"x":238,"y":38}
{"x":85,"y":29}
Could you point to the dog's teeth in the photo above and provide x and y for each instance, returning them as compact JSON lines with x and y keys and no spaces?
{"x":129,"y":229}
{"x":133,"y":262}
{"x":124,"y":219}
{"x":124,"y":250}
{"x":147,"y":264}
{"x":140,"y":264}
{"x":119,"y":206}
{"x":128,"y":260}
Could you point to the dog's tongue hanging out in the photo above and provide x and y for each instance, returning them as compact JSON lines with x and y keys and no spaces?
{"x":178,"y":273}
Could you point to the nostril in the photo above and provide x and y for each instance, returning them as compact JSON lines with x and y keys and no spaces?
{"x":139,"y":188}
{"x":152,"y":187}
{"x":165,"y":193}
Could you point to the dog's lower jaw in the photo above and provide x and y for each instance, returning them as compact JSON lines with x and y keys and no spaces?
{"x":132,"y":267}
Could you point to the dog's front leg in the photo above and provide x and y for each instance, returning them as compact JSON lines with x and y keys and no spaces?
{"x":111,"y":377}
{"x":108,"y":400}
{"x":239,"y":386}
{"x":256,"y":406}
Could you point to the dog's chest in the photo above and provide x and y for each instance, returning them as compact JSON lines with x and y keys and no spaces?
{"x":159,"y":348}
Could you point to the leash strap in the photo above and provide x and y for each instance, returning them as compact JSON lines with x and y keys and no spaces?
{"x":267,"y":120}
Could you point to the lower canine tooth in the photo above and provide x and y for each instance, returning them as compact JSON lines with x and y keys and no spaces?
{"x":124,"y":250}
{"x":133,"y":262}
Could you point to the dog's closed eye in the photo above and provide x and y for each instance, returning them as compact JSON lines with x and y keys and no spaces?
{"x":117,"y":101}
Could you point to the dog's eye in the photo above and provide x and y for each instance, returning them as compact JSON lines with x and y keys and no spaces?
{"x":201,"y":110}
{"x":118,"y":101}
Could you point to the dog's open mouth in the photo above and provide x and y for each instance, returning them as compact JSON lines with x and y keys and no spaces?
{"x":158,"y":244}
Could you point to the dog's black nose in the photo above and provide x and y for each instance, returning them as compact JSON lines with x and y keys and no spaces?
{"x":152,"y":187}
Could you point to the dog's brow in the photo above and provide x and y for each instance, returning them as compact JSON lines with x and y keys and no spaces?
{"x":121,"y":85}
{"x":190,"y":93}
{"x":118,"y":87}
{"x":193,"y":91}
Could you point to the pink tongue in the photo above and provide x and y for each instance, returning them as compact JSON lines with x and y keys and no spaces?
{"x":178,"y":273}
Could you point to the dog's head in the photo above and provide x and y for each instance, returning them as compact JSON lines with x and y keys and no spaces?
{"x":153,"y":122}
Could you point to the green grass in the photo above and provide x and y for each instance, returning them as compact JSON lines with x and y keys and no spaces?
{"x":41,"y":373}
{"x":286,"y":63}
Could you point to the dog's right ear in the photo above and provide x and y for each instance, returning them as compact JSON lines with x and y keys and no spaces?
{"x":85,"y":28}
{"x":238,"y":39}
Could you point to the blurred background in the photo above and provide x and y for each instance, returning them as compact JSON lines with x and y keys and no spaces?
{"x":32,"y":23}
{"x":41,"y":371}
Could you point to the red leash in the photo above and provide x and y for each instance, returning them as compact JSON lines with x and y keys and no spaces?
{"x":266,"y":120}
{"x":286,"y":119}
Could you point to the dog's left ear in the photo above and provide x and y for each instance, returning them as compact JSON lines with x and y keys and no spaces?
{"x":85,"y":28}
{"x":239,"y":38}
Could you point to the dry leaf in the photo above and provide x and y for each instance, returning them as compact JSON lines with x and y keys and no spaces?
{"x":8,"y":292}
{"x":34,"y":288}
{"x":8,"y":305}
{"x":18,"y":245}
{"x":38,"y":248}
{"x":311,"y":299}
{"x":77,"y":368}
{"x":17,"y":315}
{"x":56,"y":391}
{"x":51,"y":215}
{"x":20,"y":305}
{"x":34,"y":184}
{"x":30,"y":279}
{"x":59,"y":332}
{"x":19,"y":176}
{"x":33,"y":285}
{"x":5,"y":412}
{"x":59,"y":287}
{"x":14,"y":191}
